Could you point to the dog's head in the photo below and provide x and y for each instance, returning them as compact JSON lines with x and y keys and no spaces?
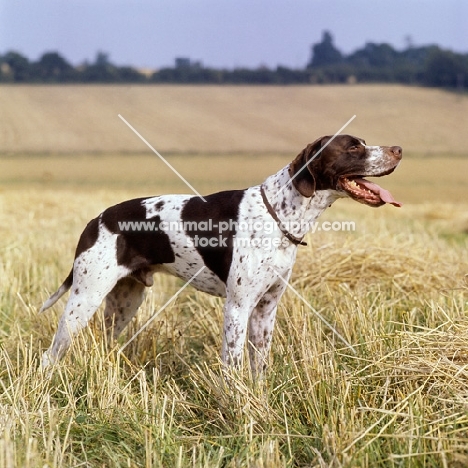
{"x":340,"y":163}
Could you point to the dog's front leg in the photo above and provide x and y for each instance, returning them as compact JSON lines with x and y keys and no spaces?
{"x":234,"y":333}
{"x":239,"y":307}
{"x":261,"y":325}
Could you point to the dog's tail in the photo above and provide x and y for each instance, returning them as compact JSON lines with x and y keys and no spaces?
{"x":66,"y":285}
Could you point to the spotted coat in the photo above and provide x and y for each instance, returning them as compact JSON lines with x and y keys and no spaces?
{"x":232,"y":237}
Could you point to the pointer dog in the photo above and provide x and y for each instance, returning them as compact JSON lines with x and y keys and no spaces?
{"x":120,"y":250}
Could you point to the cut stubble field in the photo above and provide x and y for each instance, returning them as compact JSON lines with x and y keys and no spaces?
{"x":227,"y":119}
{"x":395,"y":288}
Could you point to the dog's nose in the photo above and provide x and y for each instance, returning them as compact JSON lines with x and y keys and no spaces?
{"x":397,"y":151}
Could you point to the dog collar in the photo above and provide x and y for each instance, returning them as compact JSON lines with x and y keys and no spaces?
{"x":288,"y":235}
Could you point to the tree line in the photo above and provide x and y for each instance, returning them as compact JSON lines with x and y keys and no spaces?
{"x":373,"y":63}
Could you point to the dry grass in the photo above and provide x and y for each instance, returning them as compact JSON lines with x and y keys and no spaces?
{"x":226,"y":119}
{"x":396,"y":289}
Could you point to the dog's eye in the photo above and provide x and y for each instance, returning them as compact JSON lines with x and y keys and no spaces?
{"x":353,"y":148}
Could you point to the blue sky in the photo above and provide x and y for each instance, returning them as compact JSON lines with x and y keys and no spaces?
{"x":223,"y":33}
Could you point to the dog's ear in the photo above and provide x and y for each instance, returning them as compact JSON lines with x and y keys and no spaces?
{"x":300,"y":172}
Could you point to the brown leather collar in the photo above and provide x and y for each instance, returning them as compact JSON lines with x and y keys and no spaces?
{"x":270,"y":209}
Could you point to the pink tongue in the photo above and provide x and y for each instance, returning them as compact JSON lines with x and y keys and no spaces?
{"x":384,"y":195}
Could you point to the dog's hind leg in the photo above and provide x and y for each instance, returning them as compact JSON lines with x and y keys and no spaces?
{"x":122,"y":304}
{"x":91,"y":284}
{"x":78,"y":311}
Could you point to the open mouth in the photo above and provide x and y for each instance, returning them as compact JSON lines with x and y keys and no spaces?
{"x":366,"y":192}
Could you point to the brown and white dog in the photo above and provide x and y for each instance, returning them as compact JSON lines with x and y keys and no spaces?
{"x":217,"y":243}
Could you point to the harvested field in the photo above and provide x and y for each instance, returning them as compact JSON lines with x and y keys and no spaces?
{"x":395,"y":287}
{"x":227,"y":119}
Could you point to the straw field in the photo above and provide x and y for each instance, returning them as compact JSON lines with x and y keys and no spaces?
{"x":396,"y":289}
{"x":226,"y":119}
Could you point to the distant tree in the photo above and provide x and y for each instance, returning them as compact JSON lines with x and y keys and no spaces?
{"x":188,"y":75}
{"x":417,"y":56}
{"x":286,"y":75}
{"x":445,"y":69}
{"x":130,"y":75}
{"x":374,"y":55}
{"x":17,"y":66}
{"x":182,"y":62}
{"x":102,"y":59}
{"x":325,"y":53}
{"x":103,"y":71}
{"x":99,"y":74}
{"x":411,"y":64}
{"x":428,"y":65}
{"x":100,"y":71}
{"x":52,"y":67}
